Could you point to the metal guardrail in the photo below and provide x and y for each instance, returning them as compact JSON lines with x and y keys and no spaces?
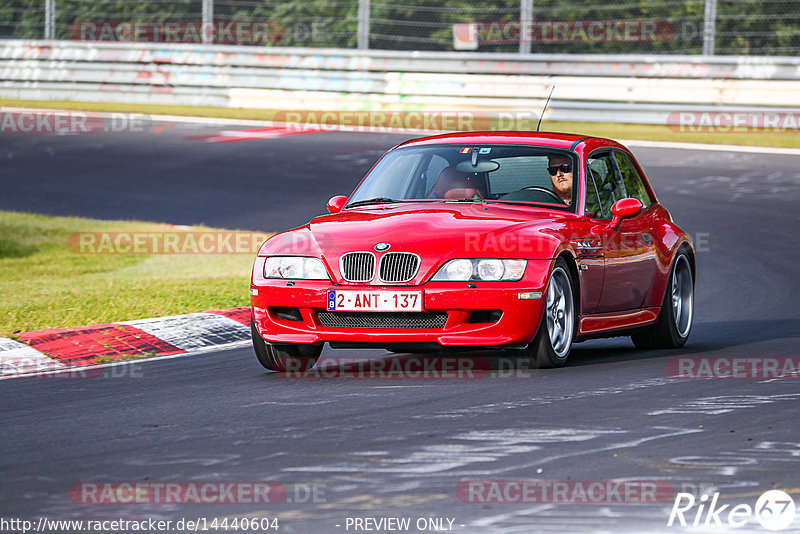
{"x":635,"y":89}
{"x":642,"y":65}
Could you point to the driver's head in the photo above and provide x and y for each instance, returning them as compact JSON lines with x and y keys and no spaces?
{"x":452,"y":184}
{"x":560,"y":169}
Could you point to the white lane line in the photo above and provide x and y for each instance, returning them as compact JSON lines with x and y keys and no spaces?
{"x":351,"y":129}
{"x":712,"y":148}
{"x":399,"y":387}
{"x":244,"y":122}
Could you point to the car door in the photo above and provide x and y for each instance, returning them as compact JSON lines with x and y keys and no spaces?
{"x":629,"y":252}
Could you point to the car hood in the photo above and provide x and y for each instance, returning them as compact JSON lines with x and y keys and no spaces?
{"x":435,"y":231}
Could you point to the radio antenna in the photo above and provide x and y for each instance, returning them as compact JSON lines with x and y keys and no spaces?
{"x":545,"y":107}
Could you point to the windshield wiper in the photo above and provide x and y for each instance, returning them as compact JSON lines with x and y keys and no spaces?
{"x":471,"y":199}
{"x":376,"y":200}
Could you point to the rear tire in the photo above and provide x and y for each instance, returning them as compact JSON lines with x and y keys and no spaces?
{"x":677,"y":311}
{"x":553,"y":342}
{"x":283,"y":357}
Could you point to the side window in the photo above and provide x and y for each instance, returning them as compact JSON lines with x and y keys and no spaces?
{"x":396,"y":177}
{"x":593,"y":207}
{"x":610,"y":186}
{"x":633,"y":181}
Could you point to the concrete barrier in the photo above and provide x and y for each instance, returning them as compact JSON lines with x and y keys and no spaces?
{"x":631,"y":89}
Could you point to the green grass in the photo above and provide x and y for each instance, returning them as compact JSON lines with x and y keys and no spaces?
{"x":647,"y":132}
{"x":43,"y":284}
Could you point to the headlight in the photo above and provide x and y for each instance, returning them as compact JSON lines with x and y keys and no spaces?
{"x":457,"y":270}
{"x":481,"y":269}
{"x":490,"y":269}
{"x":295,"y":267}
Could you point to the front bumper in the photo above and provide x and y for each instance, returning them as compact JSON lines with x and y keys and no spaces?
{"x":517,"y":326}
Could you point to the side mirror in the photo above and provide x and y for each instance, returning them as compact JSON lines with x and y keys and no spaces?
{"x":335,"y":204}
{"x":624,"y":208}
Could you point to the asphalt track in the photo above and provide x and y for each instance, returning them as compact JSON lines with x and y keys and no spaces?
{"x":400,"y":447}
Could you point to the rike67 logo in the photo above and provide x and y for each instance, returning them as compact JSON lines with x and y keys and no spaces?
{"x":774,"y":510}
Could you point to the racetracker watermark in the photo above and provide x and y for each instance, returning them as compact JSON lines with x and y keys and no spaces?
{"x":564,"y":491}
{"x":724,"y":367}
{"x":733,"y":122}
{"x":563,"y":31}
{"x":251,"y":32}
{"x":405,"y":121}
{"x":53,"y":370}
{"x":133,"y":493}
{"x":398,"y":367}
{"x":47,"y":121}
{"x":168,"y":242}
{"x":532,"y":245}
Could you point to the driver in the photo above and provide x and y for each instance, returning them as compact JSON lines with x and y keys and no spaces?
{"x":560,"y":169}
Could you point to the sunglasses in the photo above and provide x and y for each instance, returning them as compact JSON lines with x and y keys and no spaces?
{"x":564,"y":167}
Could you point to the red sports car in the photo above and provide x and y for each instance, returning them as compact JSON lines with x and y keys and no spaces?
{"x":522,"y":241}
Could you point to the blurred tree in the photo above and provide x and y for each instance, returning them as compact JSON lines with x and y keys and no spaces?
{"x":743,"y":26}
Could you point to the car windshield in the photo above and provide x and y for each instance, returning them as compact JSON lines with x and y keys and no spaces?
{"x":472,"y":173}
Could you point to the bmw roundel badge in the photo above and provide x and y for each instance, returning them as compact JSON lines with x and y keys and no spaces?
{"x":380,"y":247}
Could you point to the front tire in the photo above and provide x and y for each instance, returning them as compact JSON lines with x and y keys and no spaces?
{"x":553,"y":342}
{"x":677,"y":311}
{"x":283,"y":357}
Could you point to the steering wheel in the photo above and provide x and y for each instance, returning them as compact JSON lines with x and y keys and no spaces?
{"x":543,"y":190}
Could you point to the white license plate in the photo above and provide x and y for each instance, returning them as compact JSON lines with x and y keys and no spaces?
{"x":384,"y":301}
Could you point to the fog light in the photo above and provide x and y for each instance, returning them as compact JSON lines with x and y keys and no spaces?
{"x":286,"y":313}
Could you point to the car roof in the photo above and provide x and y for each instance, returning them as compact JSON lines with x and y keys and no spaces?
{"x":550,"y":139}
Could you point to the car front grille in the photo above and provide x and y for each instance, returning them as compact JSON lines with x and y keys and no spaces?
{"x":411,"y":320}
{"x":399,"y":266}
{"x":357,"y":266}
